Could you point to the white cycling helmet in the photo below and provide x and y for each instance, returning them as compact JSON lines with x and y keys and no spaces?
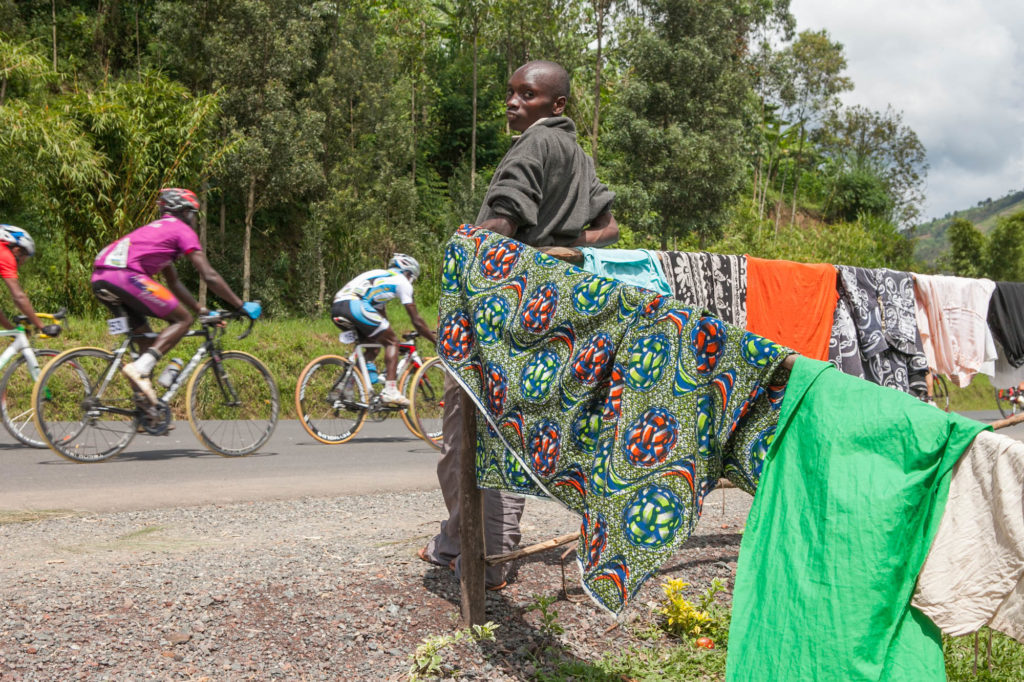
{"x":407,"y":264}
{"x":15,"y":236}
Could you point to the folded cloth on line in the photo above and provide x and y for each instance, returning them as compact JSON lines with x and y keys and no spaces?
{"x":851,"y":493}
{"x":711,"y":281}
{"x":624,"y":405}
{"x":792,"y":303}
{"x":974,"y":573}
{"x":1006,"y":320}
{"x":952,"y":315}
{"x":636,"y":267}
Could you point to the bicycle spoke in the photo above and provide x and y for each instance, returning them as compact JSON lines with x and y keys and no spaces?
{"x":330,"y":399}
{"x":233,"y":411}
{"x":16,"y":408}
{"x":69,"y":407}
{"x":427,"y":396}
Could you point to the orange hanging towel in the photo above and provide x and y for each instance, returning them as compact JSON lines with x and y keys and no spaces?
{"x":792,"y":303}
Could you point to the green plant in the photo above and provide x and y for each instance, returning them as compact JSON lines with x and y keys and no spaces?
{"x":549,"y":624}
{"x":684,"y":619}
{"x":426,"y":661}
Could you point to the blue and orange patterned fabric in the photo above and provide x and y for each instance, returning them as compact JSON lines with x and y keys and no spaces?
{"x":624,"y":405}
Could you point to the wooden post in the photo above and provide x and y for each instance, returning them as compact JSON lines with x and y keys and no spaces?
{"x":471,"y":526}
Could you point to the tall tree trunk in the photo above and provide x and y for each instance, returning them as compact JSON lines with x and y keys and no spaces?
{"x":203,"y":204}
{"x":599,"y":13}
{"x":250,"y":209}
{"x":223,"y":220}
{"x":138,"y":47}
{"x":796,"y":176}
{"x":53,"y":19}
{"x":472,"y":138}
{"x":412,"y":119}
{"x":321,"y":276}
{"x":3,"y":89}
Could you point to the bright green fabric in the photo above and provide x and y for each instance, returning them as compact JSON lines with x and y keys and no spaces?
{"x":850,"y":496}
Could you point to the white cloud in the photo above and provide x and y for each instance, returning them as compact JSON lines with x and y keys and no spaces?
{"x":955,"y":68}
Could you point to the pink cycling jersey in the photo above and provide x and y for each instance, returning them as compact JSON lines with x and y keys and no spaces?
{"x":150,"y":248}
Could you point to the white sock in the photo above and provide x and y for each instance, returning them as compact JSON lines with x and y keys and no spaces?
{"x":146,"y":362}
{"x":391,"y":386}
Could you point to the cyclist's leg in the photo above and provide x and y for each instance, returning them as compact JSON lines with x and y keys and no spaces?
{"x":367,"y":322}
{"x":143,"y":297}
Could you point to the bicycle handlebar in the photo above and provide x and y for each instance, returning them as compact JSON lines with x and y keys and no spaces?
{"x":217,"y":317}
{"x":57,"y":318}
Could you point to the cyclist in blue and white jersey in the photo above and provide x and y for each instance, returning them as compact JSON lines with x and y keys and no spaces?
{"x":361,"y":304}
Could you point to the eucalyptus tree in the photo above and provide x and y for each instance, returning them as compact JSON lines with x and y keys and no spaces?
{"x":858,"y":139}
{"x":967,"y":249}
{"x":676,"y":131}
{"x":815,"y":65}
{"x":1005,"y":249}
{"x":263,"y":53}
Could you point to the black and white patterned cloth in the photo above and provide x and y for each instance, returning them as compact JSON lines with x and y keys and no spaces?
{"x":875,"y":333}
{"x":712,"y":281}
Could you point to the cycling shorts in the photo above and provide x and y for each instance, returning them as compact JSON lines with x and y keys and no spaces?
{"x":137,"y":294}
{"x":367,"y":320}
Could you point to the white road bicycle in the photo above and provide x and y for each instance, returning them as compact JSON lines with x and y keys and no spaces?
{"x":334,"y":395}
{"x":23,"y":364}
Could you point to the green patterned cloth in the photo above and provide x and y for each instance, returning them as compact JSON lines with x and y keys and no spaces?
{"x":624,"y":405}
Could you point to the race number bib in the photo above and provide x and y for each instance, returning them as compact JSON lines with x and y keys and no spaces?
{"x":118,"y":256}
{"x":117,"y":325}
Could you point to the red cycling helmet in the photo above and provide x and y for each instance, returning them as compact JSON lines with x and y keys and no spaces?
{"x":175,"y":200}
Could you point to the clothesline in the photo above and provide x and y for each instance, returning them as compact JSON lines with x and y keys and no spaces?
{"x":887,"y":326}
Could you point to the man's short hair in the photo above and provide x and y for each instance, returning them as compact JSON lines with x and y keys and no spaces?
{"x":557,"y":75}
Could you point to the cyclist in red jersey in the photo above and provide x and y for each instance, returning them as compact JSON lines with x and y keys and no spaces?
{"x":18,"y":247}
{"x":123,"y":273}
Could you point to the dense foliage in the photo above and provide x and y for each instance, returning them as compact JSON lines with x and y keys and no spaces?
{"x":323,"y":136}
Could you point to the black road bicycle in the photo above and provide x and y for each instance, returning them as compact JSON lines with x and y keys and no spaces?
{"x":88,"y":411}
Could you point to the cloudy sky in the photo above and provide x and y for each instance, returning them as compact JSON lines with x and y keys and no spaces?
{"x":955,"y":68}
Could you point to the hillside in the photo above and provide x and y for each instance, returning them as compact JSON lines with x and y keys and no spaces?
{"x":930,"y":238}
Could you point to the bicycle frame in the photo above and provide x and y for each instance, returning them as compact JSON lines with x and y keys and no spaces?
{"x":205,"y":348}
{"x":21,"y":345}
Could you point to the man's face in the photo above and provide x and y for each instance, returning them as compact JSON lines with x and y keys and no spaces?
{"x":19,"y":255}
{"x":530,"y":97}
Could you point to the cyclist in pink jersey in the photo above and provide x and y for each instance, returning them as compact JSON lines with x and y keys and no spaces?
{"x":123,"y":273}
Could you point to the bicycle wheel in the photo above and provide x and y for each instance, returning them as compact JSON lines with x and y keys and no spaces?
{"x":16,"y":399}
{"x":233,"y":404}
{"x":79,"y":416}
{"x":427,"y":397}
{"x":940,"y":391}
{"x":1006,"y":401}
{"x":404,"y":386}
{"x":330,"y":399}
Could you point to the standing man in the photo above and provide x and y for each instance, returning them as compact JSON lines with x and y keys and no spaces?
{"x":544,"y":192}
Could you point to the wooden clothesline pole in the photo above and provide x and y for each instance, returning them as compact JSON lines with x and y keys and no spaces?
{"x":471,"y":525}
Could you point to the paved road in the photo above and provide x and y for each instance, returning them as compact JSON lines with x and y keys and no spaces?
{"x":175,"y":470}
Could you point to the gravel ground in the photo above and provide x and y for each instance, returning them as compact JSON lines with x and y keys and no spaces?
{"x":308,"y":589}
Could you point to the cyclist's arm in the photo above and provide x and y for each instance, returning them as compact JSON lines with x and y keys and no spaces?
{"x":419,"y":324}
{"x":179,"y":290}
{"x":22,"y":303}
{"x":213,"y":280}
